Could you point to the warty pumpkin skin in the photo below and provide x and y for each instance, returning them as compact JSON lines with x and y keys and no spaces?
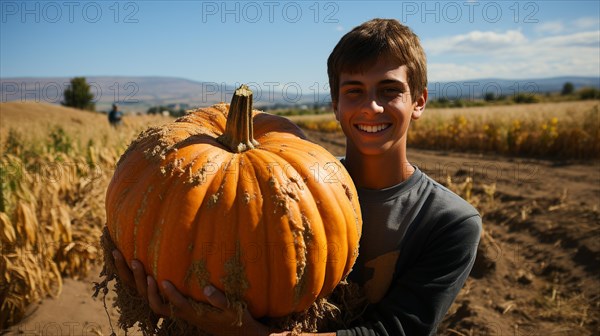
{"x":275,"y":226}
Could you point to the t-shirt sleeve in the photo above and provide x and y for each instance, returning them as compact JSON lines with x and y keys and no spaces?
{"x":422,"y":295}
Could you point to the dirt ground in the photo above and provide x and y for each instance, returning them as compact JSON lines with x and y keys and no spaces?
{"x":538,"y":265}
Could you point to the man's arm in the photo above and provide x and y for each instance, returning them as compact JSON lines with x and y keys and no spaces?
{"x":426,"y":288}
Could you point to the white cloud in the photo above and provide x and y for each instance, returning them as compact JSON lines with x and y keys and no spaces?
{"x":582,"y":39}
{"x":475,"y":41}
{"x":463,"y":57}
{"x":552,"y":27}
{"x":587,"y":23}
{"x":451,"y":71}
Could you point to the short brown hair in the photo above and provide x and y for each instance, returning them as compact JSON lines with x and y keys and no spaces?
{"x":360,"y":49}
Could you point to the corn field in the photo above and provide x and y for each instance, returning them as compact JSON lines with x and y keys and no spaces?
{"x":54,"y":172}
{"x":568,"y":130}
{"x":565,"y":130}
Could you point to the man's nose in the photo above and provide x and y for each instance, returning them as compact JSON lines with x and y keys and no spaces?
{"x":372,"y":105}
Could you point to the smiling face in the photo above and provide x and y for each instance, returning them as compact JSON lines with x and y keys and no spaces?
{"x":375,"y":107}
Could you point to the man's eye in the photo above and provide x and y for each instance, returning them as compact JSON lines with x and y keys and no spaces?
{"x":354,"y":91}
{"x":392,"y":91}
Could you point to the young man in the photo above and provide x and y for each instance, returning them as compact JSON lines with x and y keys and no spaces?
{"x":419,"y":240}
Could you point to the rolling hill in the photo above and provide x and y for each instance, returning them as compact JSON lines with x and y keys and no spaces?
{"x":140,"y":93}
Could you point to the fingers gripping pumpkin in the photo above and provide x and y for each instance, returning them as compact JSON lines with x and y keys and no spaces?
{"x":239,"y":199}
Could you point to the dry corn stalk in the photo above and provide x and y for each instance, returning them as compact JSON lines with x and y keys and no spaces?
{"x":52,"y":184}
{"x":27,"y":270}
{"x":54,"y":211}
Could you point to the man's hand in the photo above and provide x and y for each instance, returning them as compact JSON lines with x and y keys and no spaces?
{"x":218,"y":321}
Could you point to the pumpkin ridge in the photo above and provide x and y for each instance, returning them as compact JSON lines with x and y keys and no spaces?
{"x":330,"y":201}
{"x":218,"y":201}
{"x":298,"y":232}
{"x":276,"y":227}
{"x":128,"y":206}
{"x":178,"y":161}
{"x":355,"y":231}
{"x":270,"y":251}
{"x":180,"y":223}
{"x":198,"y":266}
{"x":167,"y":184}
{"x":125,"y":165}
{"x":195,"y":137}
{"x":119,"y":186}
{"x":116,"y":230}
{"x":199,"y":272}
{"x":154,"y":248}
{"x":250,"y":233}
{"x":198,"y":176}
{"x":167,"y":220}
{"x":136,"y":221}
{"x":214,"y":126}
{"x":171,"y":138}
{"x":270,"y":126}
{"x":164,"y":144}
{"x":303,"y":274}
{"x":235,"y":283}
{"x":204,"y":249}
{"x":290,"y":189}
{"x":214,"y":198}
{"x":150,"y":172}
{"x":234,"y":280}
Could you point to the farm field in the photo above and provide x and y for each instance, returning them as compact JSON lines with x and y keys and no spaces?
{"x":533,"y":173}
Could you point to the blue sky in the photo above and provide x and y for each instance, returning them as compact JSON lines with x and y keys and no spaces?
{"x":268,"y":42}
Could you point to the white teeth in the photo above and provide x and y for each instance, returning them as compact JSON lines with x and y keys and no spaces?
{"x":372,"y":128}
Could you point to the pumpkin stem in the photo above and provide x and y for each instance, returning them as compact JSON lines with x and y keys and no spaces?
{"x":239,"y":130}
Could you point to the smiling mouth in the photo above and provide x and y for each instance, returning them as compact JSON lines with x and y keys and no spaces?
{"x":372,"y":128}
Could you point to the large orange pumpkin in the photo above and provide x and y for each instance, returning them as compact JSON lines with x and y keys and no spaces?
{"x":238,"y":199}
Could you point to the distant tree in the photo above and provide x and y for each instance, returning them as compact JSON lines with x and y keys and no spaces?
{"x":567,"y":89}
{"x":489,"y":96}
{"x":160,"y":109}
{"x":177,"y":113}
{"x":458,"y":103}
{"x":155,"y":110}
{"x":78,"y":95}
{"x":589,"y":93}
{"x":525,"y":98}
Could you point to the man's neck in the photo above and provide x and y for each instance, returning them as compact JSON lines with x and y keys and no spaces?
{"x":378,"y":172}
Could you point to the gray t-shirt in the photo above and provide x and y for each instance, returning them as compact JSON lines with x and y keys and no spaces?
{"x":418,"y":245}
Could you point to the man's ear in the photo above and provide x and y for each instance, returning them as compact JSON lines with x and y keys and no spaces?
{"x":420,"y":105}
{"x":334,"y":105}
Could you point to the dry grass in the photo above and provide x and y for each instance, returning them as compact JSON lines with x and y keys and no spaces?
{"x":317,"y":122}
{"x":564,"y":130}
{"x":55,"y":165}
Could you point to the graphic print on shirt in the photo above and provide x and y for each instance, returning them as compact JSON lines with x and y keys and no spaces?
{"x":383,"y":271}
